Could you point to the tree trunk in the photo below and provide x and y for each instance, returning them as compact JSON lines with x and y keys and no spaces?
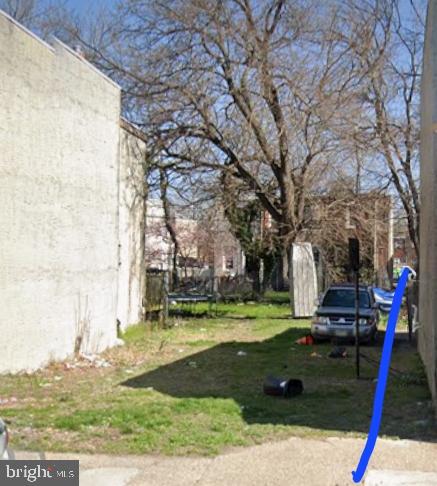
{"x":174,"y":270}
{"x":253,"y":269}
{"x":281,"y":274}
{"x":169,"y":225}
{"x":143,"y":267}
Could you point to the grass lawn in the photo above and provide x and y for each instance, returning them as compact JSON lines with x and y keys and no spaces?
{"x":186,"y":390}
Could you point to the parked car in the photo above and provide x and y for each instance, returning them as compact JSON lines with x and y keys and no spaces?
{"x":335,"y":314}
{"x":384,"y":298}
{"x":4,"y":437}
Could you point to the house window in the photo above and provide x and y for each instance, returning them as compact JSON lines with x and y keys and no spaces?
{"x":349,"y":224}
{"x":229,"y":262}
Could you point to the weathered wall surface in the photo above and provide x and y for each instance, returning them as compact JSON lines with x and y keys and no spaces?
{"x":131,"y":228}
{"x":59,"y":149}
{"x":428,"y":223}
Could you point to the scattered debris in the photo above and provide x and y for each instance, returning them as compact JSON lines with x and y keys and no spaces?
{"x":4,"y":401}
{"x":315,"y":355}
{"x":305,"y":340}
{"x":57,"y":378}
{"x":281,"y":387}
{"x":86,"y":361}
{"x":150,"y":388}
{"x":241,"y":353}
{"x":338,"y":352}
{"x":129,"y":372}
{"x":192,"y":364}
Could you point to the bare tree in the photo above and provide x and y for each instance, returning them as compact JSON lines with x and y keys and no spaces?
{"x":255,"y":89}
{"x":24,"y":11}
{"x":389,"y":123}
{"x":275,"y":94}
{"x":45,"y":18}
{"x":170,"y":224}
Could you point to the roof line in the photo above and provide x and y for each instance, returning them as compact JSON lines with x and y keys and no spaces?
{"x":88,"y":64}
{"x":53,"y":49}
{"x":26,"y":30}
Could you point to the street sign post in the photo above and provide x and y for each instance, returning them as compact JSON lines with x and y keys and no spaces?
{"x":354,"y":259}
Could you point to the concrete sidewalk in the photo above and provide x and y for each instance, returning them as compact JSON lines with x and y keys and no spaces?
{"x":292,"y":462}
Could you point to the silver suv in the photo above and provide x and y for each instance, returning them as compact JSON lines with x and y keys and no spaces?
{"x":335,"y":314}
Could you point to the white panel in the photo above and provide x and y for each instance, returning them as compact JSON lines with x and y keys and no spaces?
{"x":304,"y":280}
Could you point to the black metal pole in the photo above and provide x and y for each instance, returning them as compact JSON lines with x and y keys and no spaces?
{"x":354,"y":259}
{"x":357,"y":322}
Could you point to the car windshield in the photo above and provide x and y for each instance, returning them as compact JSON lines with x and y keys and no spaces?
{"x":345,"y":298}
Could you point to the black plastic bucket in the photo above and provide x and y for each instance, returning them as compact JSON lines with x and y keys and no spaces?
{"x":281,"y":387}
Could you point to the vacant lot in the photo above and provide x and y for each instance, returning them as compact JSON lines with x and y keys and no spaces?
{"x":196,"y":388}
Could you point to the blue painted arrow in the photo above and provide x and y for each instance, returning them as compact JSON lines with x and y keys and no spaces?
{"x":382,"y":377}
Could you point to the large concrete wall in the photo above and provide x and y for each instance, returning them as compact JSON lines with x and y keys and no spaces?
{"x":59,"y":200}
{"x":131,"y":227}
{"x":428,"y":223}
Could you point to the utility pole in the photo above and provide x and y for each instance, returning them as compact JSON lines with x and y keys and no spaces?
{"x":354,"y":258}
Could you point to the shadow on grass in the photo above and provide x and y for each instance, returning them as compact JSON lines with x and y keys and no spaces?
{"x":332,"y":400}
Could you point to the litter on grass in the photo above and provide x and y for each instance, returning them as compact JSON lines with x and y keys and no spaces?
{"x":338,"y":352}
{"x":305,"y":340}
{"x":280,"y":387}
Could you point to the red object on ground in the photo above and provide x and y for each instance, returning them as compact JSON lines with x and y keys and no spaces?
{"x":307,"y":340}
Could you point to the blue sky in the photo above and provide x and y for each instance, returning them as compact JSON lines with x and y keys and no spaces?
{"x":84,"y":6}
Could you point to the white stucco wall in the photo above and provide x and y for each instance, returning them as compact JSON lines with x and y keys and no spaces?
{"x":59,"y":146}
{"x":131,"y":229}
{"x":428,"y":215}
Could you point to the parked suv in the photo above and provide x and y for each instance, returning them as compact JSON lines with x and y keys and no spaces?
{"x":335,"y":314}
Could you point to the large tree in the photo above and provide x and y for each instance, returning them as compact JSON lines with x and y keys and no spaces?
{"x":256,"y":89}
{"x":388,"y":127}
